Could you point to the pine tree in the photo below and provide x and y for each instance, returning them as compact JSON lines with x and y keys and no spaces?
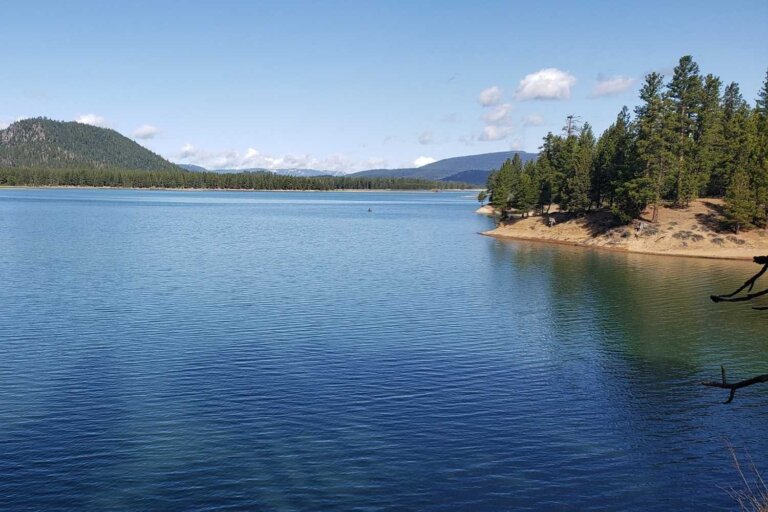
{"x":500,"y":186}
{"x":611,"y":159}
{"x":654,"y":140}
{"x":684,"y":93}
{"x":577,"y":165}
{"x":740,"y":205}
{"x":759,"y":153}
{"x":709,"y":140}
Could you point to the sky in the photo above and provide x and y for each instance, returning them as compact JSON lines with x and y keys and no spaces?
{"x":352,"y":85}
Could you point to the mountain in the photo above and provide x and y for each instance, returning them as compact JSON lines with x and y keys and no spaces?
{"x":192,"y":168}
{"x":471,"y":177}
{"x":482,"y":162}
{"x":302,"y":173}
{"x":305,"y":173}
{"x":473,"y":169}
{"x":42,"y":142}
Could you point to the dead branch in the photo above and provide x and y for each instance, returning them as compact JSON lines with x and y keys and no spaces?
{"x":748,"y":285}
{"x":735,"y":385}
{"x":732,"y":297}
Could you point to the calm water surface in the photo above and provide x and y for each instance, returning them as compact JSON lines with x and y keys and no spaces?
{"x":291,"y":351}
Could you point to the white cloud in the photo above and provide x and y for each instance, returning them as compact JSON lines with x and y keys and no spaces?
{"x":498,"y":124}
{"x":187,"y":151}
{"x":533,"y":120}
{"x":425,"y":137}
{"x":490,"y":96}
{"x":252,"y":158}
{"x":498,"y":114}
{"x":546,"y":84}
{"x":146,"y":131}
{"x":608,"y":86}
{"x":93,"y":120}
{"x":423,"y":160}
{"x":493,"y":132}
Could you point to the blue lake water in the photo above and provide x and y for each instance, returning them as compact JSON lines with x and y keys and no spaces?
{"x":292,"y":351}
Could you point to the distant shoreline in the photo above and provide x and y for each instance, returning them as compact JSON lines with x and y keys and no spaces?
{"x":189,"y":189}
{"x":680,"y":233}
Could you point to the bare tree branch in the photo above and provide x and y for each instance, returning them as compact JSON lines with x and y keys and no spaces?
{"x":731,"y":297}
{"x":735,"y":385}
{"x":749,"y":284}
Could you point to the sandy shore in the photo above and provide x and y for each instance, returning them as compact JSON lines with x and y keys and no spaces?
{"x":487,"y":210}
{"x":692,"y":232}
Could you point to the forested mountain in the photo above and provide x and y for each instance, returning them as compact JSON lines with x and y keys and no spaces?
{"x":481,"y":162}
{"x":690,"y":137}
{"x":193,"y":168}
{"x":42,"y":142}
{"x":468,"y":169}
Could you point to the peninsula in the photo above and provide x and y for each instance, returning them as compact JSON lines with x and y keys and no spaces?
{"x":686,"y":175}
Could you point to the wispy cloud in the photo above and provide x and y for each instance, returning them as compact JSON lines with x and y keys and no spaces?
{"x":490,"y":96}
{"x":93,"y":120}
{"x":426,"y":137}
{"x":609,"y":86}
{"x":533,"y":120}
{"x":546,"y":84}
{"x":146,"y":131}
{"x":498,"y":123}
{"x":493,"y":132}
{"x":498,"y":114}
{"x":188,"y":151}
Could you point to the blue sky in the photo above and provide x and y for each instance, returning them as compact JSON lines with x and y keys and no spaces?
{"x":351,"y":85}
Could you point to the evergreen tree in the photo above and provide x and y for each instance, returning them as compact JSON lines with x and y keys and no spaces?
{"x":684,"y":94}
{"x":740,"y":206}
{"x":611,"y":159}
{"x":759,"y":153}
{"x":709,"y":141}
{"x":654,"y":150}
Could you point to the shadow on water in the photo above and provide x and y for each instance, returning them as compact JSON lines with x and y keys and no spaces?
{"x":630,"y":338}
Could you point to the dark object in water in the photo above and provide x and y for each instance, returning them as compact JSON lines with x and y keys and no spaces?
{"x":369,"y":210}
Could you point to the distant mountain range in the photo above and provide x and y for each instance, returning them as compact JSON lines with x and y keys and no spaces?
{"x":473,"y":169}
{"x":304,"y":173}
{"x":42,"y":142}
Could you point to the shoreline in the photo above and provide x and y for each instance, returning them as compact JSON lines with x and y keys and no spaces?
{"x":625,"y":250}
{"x":188,"y":189}
{"x":693,"y":232}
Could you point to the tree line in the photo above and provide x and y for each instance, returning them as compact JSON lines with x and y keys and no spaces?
{"x":179,"y":178}
{"x":690,"y":137}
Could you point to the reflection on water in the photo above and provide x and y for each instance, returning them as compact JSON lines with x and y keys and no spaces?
{"x":173,"y":350}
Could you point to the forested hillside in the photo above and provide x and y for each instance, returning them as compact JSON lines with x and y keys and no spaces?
{"x":690,"y":137}
{"x":42,"y":142}
{"x":471,"y":169}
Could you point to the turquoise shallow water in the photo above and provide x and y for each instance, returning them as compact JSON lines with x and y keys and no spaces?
{"x":292,"y":351}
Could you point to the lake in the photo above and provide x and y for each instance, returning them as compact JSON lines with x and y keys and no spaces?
{"x":175,"y":350}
